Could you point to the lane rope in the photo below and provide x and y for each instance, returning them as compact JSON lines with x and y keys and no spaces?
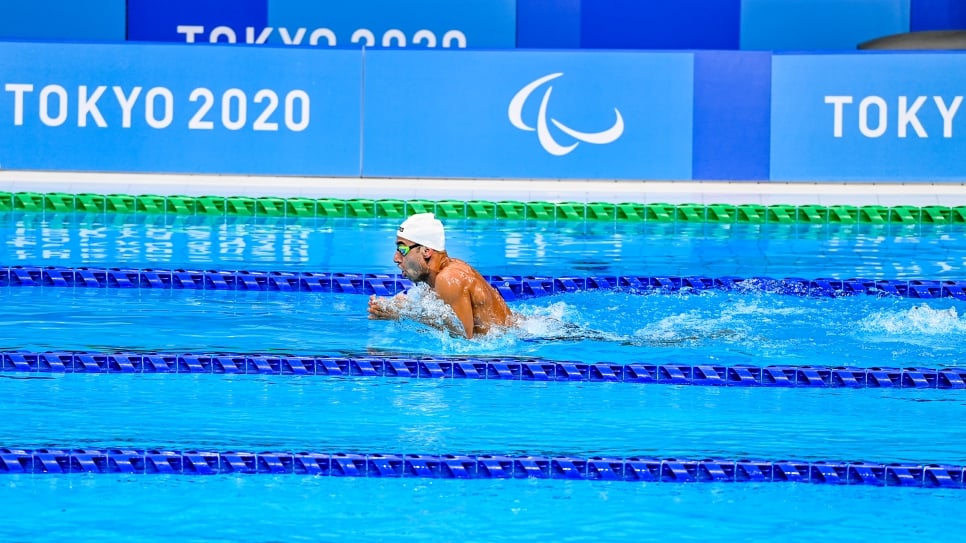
{"x":397,"y":209}
{"x":494,"y":368}
{"x":458,"y":466}
{"x":512,"y":287}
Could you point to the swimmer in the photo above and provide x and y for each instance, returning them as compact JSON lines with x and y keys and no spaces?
{"x":421,"y":257}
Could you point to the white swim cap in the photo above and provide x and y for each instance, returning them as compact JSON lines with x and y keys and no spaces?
{"x":424,"y":229}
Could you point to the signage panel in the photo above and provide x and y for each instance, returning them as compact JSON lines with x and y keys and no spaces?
{"x":196,"y":21}
{"x":871,"y":117}
{"x":529,"y":114}
{"x":169,"y":108}
{"x":90,"y":20}
{"x":548,"y":24}
{"x":394,"y":23}
{"x":659,"y":24}
{"x":804,"y":25}
{"x":731,"y":115}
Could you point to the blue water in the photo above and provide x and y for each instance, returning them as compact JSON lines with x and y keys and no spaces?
{"x":402,"y":416}
{"x":502,"y":247}
{"x":289,"y":413}
{"x":724,"y":328}
{"x":263,"y":508}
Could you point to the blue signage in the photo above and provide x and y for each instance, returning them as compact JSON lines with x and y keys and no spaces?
{"x":802,"y":25}
{"x":394,"y":24}
{"x":937,"y":15}
{"x":731,"y":115}
{"x":169,"y":108}
{"x":197,"y":21}
{"x":874,"y":117}
{"x":548,"y":24}
{"x":90,"y":20}
{"x":529,"y":114}
{"x":659,"y":24}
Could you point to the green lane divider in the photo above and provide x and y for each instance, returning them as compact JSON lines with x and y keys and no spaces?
{"x":782,"y":214}
{"x":935,"y":215}
{"x":119,"y":203}
{"x":240,"y":206}
{"x":390,"y":209}
{"x":331,"y":208}
{"x":571,"y":211}
{"x":601,"y":211}
{"x":59,"y":201}
{"x":451,"y":209}
{"x":420,"y":206}
{"x":28,"y":201}
{"x":181,"y":205}
{"x":299,"y":207}
{"x":359,"y":208}
{"x":751,"y":213}
{"x":629,"y":212}
{"x":150,"y":203}
{"x":480,"y":209}
{"x":721,"y":213}
{"x":541,"y":211}
{"x":90,"y":203}
{"x":513,"y":210}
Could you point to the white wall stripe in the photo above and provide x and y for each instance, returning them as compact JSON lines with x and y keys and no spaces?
{"x":671,"y":192}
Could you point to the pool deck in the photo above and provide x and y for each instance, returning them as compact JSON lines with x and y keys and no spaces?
{"x":526,"y":190}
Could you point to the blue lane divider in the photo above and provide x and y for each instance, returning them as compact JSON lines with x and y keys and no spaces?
{"x":457,"y":466}
{"x":514,"y":369}
{"x":512,"y":287}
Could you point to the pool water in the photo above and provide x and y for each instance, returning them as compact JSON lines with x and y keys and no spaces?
{"x":425,"y":416}
{"x":890,"y":251}
{"x":714,"y":327}
{"x":267,"y":509}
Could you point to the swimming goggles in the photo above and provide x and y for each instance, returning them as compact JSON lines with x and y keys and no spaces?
{"x":404,"y":249}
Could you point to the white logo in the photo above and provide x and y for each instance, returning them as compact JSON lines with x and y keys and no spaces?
{"x":515,"y":114}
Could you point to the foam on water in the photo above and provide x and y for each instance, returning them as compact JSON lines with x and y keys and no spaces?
{"x":922,"y":320}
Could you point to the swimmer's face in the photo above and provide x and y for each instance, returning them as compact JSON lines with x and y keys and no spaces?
{"x":412,"y":264}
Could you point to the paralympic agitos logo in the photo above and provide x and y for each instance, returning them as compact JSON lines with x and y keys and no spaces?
{"x":544,"y":135}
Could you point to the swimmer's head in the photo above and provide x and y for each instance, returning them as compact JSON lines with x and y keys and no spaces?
{"x":424,"y":229}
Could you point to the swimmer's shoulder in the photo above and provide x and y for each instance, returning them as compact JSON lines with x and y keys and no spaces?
{"x":459,"y":268}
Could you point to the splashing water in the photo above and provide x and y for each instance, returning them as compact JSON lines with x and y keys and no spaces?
{"x":920,"y":319}
{"x":426,"y":306}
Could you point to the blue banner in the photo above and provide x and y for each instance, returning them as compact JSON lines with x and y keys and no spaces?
{"x":88,"y":20}
{"x":937,"y":15}
{"x":529,"y":114}
{"x":659,"y":24}
{"x":875,"y":117}
{"x":548,"y":24}
{"x":731,"y":114}
{"x":169,"y":108}
{"x":394,"y":23}
{"x":802,"y":25}
{"x":197,"y":21}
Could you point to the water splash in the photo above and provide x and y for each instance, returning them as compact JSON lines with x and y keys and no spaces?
{"x":558,"y":321}
{"x":424,"y":305}
{"x":921,"y":320}
{"x":692,"y":327}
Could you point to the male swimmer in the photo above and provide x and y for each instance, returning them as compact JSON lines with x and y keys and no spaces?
{"x":421,"y":256}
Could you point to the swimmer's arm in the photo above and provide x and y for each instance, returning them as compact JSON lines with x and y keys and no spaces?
{"x":385,"y":308}
{"x":458,"y":297}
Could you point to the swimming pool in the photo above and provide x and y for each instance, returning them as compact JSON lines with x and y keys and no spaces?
{"x":520,"y":417}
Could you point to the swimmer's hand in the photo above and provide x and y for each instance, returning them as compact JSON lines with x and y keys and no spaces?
{"x":382,"y":308}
